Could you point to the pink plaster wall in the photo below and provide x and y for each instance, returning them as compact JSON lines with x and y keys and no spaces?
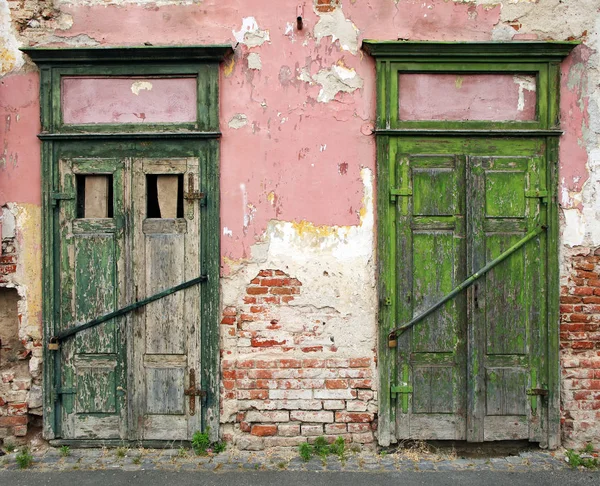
{"x":19,"y":145}
{"x":574,"y":116}
{"x":124,"y":100}
{"x":491,"y":97}
{"x":295,"y":158}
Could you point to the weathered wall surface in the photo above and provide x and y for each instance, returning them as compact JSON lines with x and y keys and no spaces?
{"x":297,"y":181}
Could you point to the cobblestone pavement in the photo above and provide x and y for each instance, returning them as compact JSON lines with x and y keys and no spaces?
{"x":134,"y":459}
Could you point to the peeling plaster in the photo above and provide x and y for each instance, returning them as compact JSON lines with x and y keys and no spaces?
{"x":10,"y":56}
{"x":336,"y":267}
{"x":335,"y":25}
{"x":337,"y":79}
{"x":250,"y":34}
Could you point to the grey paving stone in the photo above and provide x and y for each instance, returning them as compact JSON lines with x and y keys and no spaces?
{"x":425,"y":466}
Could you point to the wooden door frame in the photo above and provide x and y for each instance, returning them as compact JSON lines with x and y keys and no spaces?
{"x":199,"y":61}
{"x":539,"y":58}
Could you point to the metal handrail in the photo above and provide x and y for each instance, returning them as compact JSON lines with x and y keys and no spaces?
{"x":467,"y":283}
{"x":124,"y":310}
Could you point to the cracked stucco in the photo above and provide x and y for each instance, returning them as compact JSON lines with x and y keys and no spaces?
{"x":10,"y":56}
{"x":336,"y":267}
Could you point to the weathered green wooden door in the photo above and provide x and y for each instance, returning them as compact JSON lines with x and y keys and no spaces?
{"x":130,"y":227}
{"x":476,"y":368}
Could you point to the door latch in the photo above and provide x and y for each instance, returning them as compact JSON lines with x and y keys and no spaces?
{"x":193,"y":392}
{"x":192,"y":194}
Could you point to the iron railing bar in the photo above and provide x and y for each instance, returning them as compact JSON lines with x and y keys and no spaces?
{"x":124,"y":310}
{"x":467,"y":283}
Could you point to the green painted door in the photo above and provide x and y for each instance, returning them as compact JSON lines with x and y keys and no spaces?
{"x":129,"y":226}
{"x":476,"y":368}
{"x":91,"y":249}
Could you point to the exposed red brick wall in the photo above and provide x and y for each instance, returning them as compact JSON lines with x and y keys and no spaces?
{"x":258,"y":325}
{"x":326,"y":5}
{"x":8,"y":259}
{"x":285,"y":386}
{"x":284,"y":402}
{"x":580,"y":349}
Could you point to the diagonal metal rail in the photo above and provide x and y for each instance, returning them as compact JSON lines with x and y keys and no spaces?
{"x":467,"y":283}
{"x":71,"y":331}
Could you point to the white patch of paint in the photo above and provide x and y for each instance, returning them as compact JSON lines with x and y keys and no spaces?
{"x":238,"y":121}
{"x":254,"y":61}
{"x":573,"y":233}
{"x":138,"y":86}
{"x":565,"y":199}
{"x":525,"y":83}
{"x":289,"y":31}
{"x":250,"y":34}
{"x":7,"y":223}
{"x":323,"y":148}
{"x":227,"y":231}
{"x":305,"y":76}
{"x":244,"y":205}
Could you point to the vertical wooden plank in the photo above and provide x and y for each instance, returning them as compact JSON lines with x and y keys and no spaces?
{"x":137,"y":385}
{"x":210,"y":262}
{"x":96,"y":196}
{"x":208,"y":93}
{"x":50,"y":262}
{"x":168,"y":195}
{"x":552,"y":266}
{"x":192,"y":297}
{"x":554,"y":95}
{"x":476,"y":300}
{"x":403,"y":262}
{"x":387,"y":294}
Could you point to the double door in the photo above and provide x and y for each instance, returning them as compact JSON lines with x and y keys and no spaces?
{"x":128,"y":227}
{"x":477,"y":368}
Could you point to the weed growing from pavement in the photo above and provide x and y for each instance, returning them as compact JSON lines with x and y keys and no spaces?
{"x":9,"y":446}
{"x":24,"y":458}
{"x":121,"y":452}
{"x":322,"y":449}
{"x":203,"y":446}
{"x":582,"y":459}
{"x":64,"y":451}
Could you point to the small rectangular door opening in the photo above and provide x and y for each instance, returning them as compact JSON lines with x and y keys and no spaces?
{"x":164,"y":196}
{"x":94,"y":195}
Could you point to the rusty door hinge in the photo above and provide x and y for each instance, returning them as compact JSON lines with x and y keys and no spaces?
{"x":193,"y":392}
{"x":192,"y":194}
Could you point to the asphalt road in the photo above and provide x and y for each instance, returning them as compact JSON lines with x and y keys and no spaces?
{"x":298,"y":478}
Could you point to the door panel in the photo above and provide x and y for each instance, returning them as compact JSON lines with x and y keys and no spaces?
{"x":165,"y":346}
{"x":92,"y":284}
{"x":465,"y":370}
{"x":431,"y":232}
